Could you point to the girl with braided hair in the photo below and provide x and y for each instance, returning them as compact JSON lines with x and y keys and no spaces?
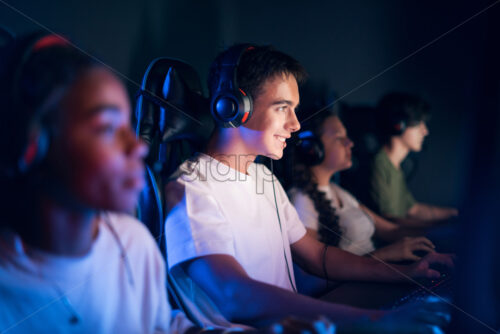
{"x":333,"y":215}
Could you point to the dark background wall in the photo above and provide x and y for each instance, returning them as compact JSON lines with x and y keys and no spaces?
{"x":356,"y":48}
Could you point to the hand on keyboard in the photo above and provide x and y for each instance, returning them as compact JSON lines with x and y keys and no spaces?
{"x":426,"y":317}
{"x":292,"y":325}
{"x":425,"y":267}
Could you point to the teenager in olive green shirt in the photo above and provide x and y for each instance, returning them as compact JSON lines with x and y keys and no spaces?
{"x":403,"y":129}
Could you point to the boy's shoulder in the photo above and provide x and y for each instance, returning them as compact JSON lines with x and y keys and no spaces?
{"x":129,"y":229}
{"x":195,"y":171}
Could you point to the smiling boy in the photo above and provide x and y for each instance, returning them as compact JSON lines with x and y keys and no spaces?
{"x":231,"y":244}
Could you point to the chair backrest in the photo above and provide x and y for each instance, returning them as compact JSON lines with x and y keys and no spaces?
{"x":172,"y":116}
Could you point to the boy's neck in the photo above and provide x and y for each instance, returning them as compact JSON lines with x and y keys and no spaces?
{"x":396,"y":152}
{"x":226,"y":146}
{"x":64,"y":231}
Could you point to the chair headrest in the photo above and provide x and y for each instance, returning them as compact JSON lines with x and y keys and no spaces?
{"x":170,"y":104}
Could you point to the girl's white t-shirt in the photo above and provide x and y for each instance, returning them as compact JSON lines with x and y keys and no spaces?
{"x":356,"y":226}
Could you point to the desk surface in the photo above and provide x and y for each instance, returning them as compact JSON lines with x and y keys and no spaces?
{"x":369,"y":294}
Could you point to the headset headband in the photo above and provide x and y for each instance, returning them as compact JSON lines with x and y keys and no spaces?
{"x":229,"y":65}
{"x":37,"y":140}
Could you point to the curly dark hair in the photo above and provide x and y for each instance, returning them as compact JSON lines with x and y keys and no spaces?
{"x":329,"y":229}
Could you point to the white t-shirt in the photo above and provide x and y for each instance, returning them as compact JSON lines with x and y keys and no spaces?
{"x":223,"y":211}
{"x":356,"y":226}
{"x":41,"y":292}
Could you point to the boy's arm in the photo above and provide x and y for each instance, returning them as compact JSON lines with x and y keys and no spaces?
{"x":244,"y":300}
{"x":424,"y":216}
{"x":428,"y":212}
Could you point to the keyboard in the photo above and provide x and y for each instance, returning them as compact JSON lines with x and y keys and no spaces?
{"x":442,"y":287}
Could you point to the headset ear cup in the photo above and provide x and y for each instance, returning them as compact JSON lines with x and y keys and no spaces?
{"x":35,"y":150}
{"x":310,"y":149}
{"x":224,"y":107}
{"x":246,"y":108}
{"x":230,"y":105}
{"x":399,"y":127}
{"x":231,"y":109}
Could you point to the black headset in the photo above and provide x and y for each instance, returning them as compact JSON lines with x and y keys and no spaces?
{"x":230,"y":105}
{"x":391,"y":122}
{"x":309,"y":148}
{"x":397,"y":112}
{"x":36,"y":142}
{"x":397,"y":125}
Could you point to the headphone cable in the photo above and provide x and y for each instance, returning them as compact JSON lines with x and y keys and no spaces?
{"x":281,"y":230}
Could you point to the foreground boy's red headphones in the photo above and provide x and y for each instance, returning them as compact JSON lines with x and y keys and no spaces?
{"x":36,"y":141}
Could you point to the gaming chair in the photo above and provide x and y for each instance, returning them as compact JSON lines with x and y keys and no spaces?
{"x":173,"y":119}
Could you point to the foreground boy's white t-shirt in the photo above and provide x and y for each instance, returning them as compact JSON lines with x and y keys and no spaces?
{"x":223,"y":211}
{"x":41,"y":292}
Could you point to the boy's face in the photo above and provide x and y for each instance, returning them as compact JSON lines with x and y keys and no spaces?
{"x":273,"y":119}
{"x":96,"y":153}
{"x":413,"y":136}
